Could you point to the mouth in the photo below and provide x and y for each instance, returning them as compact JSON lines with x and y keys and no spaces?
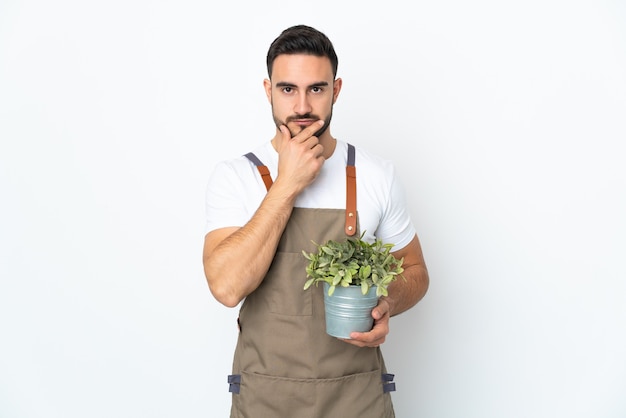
{"x":303,"y":122}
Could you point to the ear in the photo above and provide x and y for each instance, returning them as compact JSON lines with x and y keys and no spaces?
{"x":267,"y":85}
{"x":336,"y":89}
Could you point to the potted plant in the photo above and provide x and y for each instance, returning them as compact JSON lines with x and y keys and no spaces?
{"x":355,"y":273}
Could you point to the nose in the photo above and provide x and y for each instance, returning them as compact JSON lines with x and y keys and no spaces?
{"x":302,"y":105}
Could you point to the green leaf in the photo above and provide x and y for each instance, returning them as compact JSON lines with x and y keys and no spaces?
{"x":336,"y":280}
{"x":365,"y":271}
{"x":375,"y":278}
{"x":364,"y":288}
{"x":327,"y":250}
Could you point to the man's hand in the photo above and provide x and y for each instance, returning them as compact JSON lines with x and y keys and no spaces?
{"x":403,"y":294}
{"x":299,"y":158}
{"x":375,"y":337}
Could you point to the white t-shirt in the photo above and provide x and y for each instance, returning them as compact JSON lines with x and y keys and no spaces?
{"x":235,"y":191}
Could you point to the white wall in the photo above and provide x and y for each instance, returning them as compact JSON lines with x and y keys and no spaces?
{"x":504,"y":118}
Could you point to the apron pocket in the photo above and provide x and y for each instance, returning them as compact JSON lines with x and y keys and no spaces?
{"x":354,"y":396}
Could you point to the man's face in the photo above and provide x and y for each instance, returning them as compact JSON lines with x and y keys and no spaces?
{"x":301,"y":91}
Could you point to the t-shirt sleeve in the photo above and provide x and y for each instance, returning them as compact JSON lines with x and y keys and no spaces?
{"x":396,"y":225}
{"x":224,"y":204}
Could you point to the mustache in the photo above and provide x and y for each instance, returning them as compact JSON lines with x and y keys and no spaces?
{"x":305,"y":116}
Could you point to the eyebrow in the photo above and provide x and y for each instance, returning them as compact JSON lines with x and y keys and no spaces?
{"x":287,"y":84}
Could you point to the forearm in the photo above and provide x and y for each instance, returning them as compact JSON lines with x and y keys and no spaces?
{"x":236,"y":260}
{"x":404,"y":294}
{"x":236,"y":265}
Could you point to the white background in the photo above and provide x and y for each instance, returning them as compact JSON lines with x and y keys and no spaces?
{"x":506,"y":121}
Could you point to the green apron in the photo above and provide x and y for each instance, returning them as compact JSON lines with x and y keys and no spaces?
{"x":285,"y":365}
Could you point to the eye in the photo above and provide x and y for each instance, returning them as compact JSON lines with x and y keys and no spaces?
{"x":316,"y":89}
{"x":287,"y":90}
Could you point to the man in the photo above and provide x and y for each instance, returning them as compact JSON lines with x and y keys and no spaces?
{"x":264,"y":209}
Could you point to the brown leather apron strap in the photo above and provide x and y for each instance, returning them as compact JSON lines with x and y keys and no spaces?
{"x":350,"y":227}
{"x":265,"y":172}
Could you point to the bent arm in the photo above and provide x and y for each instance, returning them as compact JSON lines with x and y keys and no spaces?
{"x":404,"y":294}
{"x":236,"y":259}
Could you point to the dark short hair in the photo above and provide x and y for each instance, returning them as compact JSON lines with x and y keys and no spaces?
{"x":302,"y":39}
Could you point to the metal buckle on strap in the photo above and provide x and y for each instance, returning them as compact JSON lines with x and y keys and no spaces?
{"x":388,"y":383}
{"x":234,"y":383}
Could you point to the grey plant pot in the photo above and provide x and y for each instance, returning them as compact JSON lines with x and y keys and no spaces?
{"x":348,"y":310}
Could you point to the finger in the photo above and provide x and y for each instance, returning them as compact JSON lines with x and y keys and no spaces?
{"x":364,"y":343}
{"x":285,"y":131}
{"x":381,"y":309}
{"x":310,"y":130}
{"x":363,"y":337}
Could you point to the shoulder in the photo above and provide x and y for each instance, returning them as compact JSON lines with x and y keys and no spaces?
{"x":239,"y":175}
{"x":229,"y":169}
{"x":241,"y":164}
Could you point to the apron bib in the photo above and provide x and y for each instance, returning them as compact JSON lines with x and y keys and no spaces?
{"x":285,"y":365}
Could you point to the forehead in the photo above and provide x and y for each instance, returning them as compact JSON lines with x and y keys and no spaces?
{"x":301,"y":68}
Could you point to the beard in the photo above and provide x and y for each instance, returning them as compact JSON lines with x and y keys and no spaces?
{"x":293,"y":132}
